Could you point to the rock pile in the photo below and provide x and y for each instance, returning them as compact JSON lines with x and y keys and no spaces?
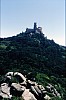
{"x":24,"y":88}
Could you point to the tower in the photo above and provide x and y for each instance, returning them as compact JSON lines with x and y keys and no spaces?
{"x":35,"y":26}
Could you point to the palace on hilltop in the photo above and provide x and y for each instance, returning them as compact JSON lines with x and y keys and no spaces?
{"x":34,"y":30}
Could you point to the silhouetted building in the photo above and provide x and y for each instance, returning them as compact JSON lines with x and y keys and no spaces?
{"x":34,"y":30}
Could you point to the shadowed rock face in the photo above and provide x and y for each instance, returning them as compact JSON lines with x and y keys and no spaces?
{"x":27,"y":89}
{"x":17,"y":89}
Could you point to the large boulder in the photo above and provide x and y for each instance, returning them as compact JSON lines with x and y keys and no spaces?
{"x":5,"y":91}
{"x":27,"y":95}
{"x":17,"y":89}
{"x":19,"y":76}
{"x":5,"y":96}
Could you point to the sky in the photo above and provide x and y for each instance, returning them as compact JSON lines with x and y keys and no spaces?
{"x":17,"y":15}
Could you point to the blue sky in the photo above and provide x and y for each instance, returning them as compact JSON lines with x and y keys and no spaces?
{"x":17,"y":15}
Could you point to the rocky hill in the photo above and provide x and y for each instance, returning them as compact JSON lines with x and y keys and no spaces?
{"x":31,"y":52}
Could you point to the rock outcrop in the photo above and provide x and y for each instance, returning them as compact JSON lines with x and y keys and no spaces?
{"x":27,"y":95}
{"x":24,"y":88}
{"x":5,"y":91}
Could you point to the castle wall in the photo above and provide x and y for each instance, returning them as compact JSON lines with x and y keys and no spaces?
{"x":29,"y":30}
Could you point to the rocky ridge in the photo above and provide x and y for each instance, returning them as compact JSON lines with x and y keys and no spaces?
{"x":15,"y":84}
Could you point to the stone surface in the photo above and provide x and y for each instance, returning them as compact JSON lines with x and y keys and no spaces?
{"x":23,"y":83}
{"x":18,"y":87}
{"x":5,"y":91}
{"x":31,"y":82}
{"x":34,"y":91}
{"x":41,"y":87}
{"x":37,"y":89}
{"x":27,"y":89}
{"x":20,"y":75}
{"x":47,"y":97}
{"x":28,"y":95}
{"x":9,"y":74}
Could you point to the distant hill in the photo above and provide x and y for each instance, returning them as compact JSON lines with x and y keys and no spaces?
{"x":32,"y":51}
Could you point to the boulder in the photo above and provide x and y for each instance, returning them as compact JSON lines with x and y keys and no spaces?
{"x":41,"y":87}
{"x":48,"y":88}
{"x":5,"y":91}
{"x":19,"y":76}
{"x":52,"y":90}
{"x":56,"y":93}
{"x":31,"y":82}
{"x":9,"y":74}
{"x":42,"y":90}
{"x":8,"y":77}
{"x":17,"y":89}
{"x":47,"y":97}
{"x":34,"y":92}
{"x":28,"y":95}
{"x":38,"y":90}
{"x":23,"y":84}
{"x":5,"y":96}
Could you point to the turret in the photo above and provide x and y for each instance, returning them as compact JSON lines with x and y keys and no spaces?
{"x":35,"y":26}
